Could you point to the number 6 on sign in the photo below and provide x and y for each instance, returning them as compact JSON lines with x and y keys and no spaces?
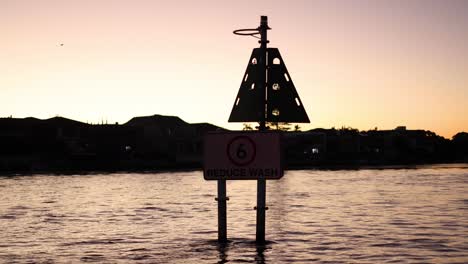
{"x":241,"y":150}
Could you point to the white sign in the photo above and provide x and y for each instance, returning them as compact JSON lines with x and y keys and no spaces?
{"x":242,"y":156}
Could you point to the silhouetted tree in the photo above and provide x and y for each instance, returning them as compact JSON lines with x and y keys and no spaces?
{"x":348,"y":129}
{"x":247,"y":127}
{"x":283,"y":126}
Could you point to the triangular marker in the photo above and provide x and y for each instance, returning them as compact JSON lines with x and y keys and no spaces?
{"x":282,"y":100}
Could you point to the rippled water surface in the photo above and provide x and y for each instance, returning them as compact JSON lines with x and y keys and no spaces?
{"x":361,"y":216}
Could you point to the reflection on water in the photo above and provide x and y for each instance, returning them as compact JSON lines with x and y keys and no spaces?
{"x":361,"y":216}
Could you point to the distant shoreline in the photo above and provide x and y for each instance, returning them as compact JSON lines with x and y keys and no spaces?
{"x":167,"y":143}
{"x":386,"y":167}
{"x":297,"y":168}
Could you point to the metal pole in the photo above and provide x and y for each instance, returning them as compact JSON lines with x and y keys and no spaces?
{"x":222,"y":222}
{"x":261,"y":183}
{"x":261,"y":197}
{"x":263,"y":71}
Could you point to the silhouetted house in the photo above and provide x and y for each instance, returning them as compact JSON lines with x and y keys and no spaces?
{"x":402,"y":146}
{"x":201,"y":129}
{"x":16,"y":135}
{"x":170,"y":139}
{"x":64,"y":127}
{"x":377,"y":146}
{"x":106,"y":146}
{"x":65,"y":135}
{"x":343,"y":146}
{"x":460,"y":146}
{"x":304,"y":148}
{"x":31,"y":144}
{"x":349,"y":141}
{"x":16,"y":143}
{"x":158,"y":136}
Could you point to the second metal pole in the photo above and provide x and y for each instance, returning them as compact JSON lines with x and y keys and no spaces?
{"x":261,"y":206}
{"x":222,"y":218}
{"x":261,"y":183}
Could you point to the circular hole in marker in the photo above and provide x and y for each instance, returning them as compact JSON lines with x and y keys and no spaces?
{"x":252,"y":86}
{"x":275,"y":112}
{"x":276,"y":86}
{"x":254,"y":61}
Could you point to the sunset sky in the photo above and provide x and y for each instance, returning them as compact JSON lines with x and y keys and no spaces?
{"x":362,"y":64}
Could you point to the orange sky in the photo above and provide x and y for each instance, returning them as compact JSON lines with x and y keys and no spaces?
{"x":362,"y":64}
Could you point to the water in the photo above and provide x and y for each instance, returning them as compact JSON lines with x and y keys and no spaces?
{"x":360,"y":216}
